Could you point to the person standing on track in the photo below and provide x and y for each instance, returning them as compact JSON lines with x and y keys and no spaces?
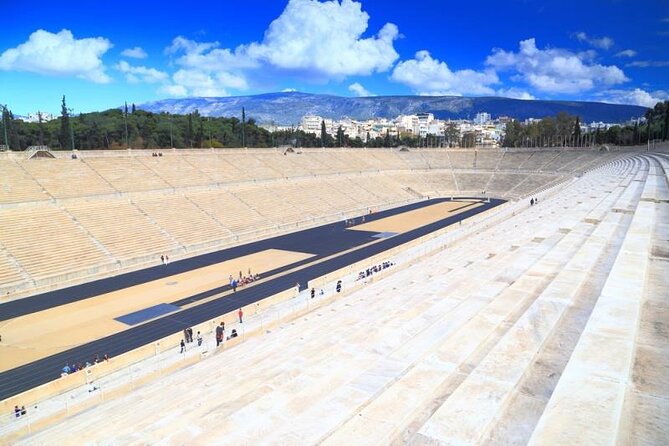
{"x":240,"y":313}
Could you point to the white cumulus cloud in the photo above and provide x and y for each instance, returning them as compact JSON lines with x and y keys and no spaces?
{"x":636,"y":96}
{"x":310,"y":39}
{"x":357,"y":89}
{"x":326,"y":38}
{"x":428,"y":76}
{"x":603,"y":43}
{"x":208,"y":56}
{"x":555,"y":70}
{"x":135,"y":53}
{"x":59,"y":54}
{"x":136,"y":74}
{"x":206,"y":70}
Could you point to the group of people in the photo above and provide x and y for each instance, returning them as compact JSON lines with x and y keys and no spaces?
{"x":220,"y":330}
{"x":164,"y":259}
{"x":353,"y":221}
{"x":242,"y":280}
{"x":188,"y":338}
{"x":76,"y":366}
{"x":155,"y":154}
{"x":374,"y":269}
{"x":18,"y":412}
{"x":533,"y":201}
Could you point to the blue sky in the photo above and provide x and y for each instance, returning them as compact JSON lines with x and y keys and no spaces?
{"x":100,"y":54}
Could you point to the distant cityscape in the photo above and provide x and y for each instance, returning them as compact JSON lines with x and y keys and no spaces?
{"x":486,"y":130}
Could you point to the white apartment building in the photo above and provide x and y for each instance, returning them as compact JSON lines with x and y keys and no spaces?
{"x":421,"y":124}
{"x":482,"y":118}
{"x":311,"y":124}
{"x":408,"y":124}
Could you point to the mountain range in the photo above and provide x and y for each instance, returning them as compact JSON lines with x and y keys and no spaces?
{"x":288,"y":108}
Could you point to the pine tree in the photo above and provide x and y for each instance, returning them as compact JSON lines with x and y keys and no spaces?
{"x":577,"y":129}
{"x":243,"y":127}
{"x":340,"y":135}
{"x":125,"y":120}
{"x":200,"y":132}
{"x":189,"y":130}
{"x":63,"y":135}
{"x":5,"y":124}
{"x":666,"y":120}
{"x":40,"y":127}
{"x":11,"y":131}
{"x":324,"y":134}
{"x":133,"y":108}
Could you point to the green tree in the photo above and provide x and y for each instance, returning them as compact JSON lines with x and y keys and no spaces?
{"x":40,"y":124}
{"x":243,"y":127}
{"x":613,"y":135}
{"x":665,"y":136}
{"x":577,"y":130}
{"x":125,"y":121}
{"x":469,"y":139}
{"x":13,"y":129}
{"x":199,"y":137}
{"x":5,"y":129}
{"x":189,"y":131}
{"x":513,"y":134}
{"x":452,"y":134}
{"x":341,"y":137}
{"x":147,"y":129}
{"x":324,"y":134}
{"x":564,"y":125}
{"x":64,"y":134}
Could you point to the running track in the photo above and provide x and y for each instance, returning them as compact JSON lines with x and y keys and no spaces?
{"x":322,"y":241}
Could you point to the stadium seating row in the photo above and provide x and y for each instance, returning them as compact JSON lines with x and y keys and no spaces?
{"x":92,"y":174}
{"x":119,"y":211}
